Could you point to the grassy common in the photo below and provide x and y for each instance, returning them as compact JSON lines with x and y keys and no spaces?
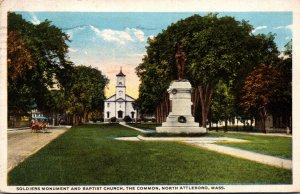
{"x":89,"y":155}
{"x":275,"y":146}
{"x":271,"y":145}
{"x":145,"y":126}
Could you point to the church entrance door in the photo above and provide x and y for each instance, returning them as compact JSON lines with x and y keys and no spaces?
{"x":120,"y":114}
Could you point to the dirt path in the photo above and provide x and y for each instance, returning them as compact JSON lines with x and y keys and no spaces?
{"x":23,"y":143}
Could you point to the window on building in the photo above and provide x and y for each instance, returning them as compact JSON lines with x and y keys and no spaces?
{"x":120,"y":83}
{"x":120,"y":104}
{"x":107,"y":115}
{"x":132,"y":114}
{"x":120,"y":114}
{"x":120,"y":93}
{"x":108,"y":105}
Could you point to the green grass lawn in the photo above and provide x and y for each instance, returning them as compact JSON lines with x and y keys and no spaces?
{"x":146,"y":126}
{"x":88,"y":155}
{"x":275,"y":146}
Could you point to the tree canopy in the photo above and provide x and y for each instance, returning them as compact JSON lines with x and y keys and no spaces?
{"x":217,"y":49}
{"x":38,"y":63}
{"x":37,"y":59}
{"x":86,"y":92}
{"x":268,"y":90}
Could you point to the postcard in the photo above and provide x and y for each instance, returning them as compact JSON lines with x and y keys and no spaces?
{"x":132,"y":96}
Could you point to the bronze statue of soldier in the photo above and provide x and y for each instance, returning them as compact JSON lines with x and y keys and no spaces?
{"x":180,"y":62}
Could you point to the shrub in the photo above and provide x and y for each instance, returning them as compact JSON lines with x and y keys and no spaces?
{"x":127,"y":119}
{"x":113,"y":119}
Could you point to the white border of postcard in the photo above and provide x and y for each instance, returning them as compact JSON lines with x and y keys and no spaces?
{"x":150,"y":6}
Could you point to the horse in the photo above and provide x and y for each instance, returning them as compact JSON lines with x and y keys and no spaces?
{"x":38,"y":126}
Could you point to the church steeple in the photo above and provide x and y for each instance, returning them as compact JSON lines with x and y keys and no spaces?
{"x":121,"y":73}
{"x":120,"y":85}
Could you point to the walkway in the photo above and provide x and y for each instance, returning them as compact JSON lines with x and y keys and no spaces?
{"x":209,"y":143}
{"x":261,"y":134}
{"x":22,"y":143}
{"x":137,"y":129}
{"x":248,"y":155}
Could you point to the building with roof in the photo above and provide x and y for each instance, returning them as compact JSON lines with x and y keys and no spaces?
{"x":120,"y":104}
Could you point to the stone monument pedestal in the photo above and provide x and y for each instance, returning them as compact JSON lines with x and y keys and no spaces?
{"x":180,"y":119}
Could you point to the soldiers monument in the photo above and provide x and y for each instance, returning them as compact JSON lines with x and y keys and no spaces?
{"x":180,"y":118}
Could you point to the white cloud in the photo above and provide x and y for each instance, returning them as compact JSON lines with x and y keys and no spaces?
{"x":115,"y":36}
{"x":287,"y":38}
{"x":139,"y":34}
{"x":118,"y":36}
{"x":71,"y":31}
{"x":152,"y":37}
{"x":283,"y":27}
{"x":290,"y":27}
{"x":34,"y":19}
{"x":259,"y":28}
{"x":73,"y":50}
{"x":278,"y":27}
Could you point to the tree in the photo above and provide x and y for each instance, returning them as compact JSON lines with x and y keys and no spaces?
{"x":85,"y":92}
{"x":55,"y":105}
{"x":281,"y":106}
{"x":217,"y":49}
{"x":261,"y":87}
{"x":222,"y":106}
{"x":19,"y":63}
{"x":37,"y":59}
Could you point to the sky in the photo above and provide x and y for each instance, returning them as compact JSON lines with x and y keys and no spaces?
{"x":109,"y":40}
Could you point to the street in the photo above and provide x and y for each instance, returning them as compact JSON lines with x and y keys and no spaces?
{"x":23,"y":143}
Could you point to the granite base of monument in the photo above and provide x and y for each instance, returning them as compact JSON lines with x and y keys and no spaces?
{"x":180,"y":119}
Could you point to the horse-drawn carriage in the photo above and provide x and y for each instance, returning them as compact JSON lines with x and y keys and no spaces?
{"x":39,"y":124}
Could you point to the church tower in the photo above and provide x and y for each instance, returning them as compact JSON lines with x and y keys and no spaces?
{"x":120,"y":104}
{"x":120,"y":85}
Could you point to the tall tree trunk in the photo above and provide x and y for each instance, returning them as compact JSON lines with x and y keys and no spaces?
{"x":159,"y":113}
{"x":74,"y":120}
{"x":86,"y":116}
{"x":156,"y":115}
{"x":158,"y":118}
{"x":162,"y":111}
{"x":263,"y":115}
{"x":205,"y":98}
{"x":196,"y":103}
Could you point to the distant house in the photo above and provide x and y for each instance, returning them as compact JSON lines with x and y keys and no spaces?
{"x":120,"y":104}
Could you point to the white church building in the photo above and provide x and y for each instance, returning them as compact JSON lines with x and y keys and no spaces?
{"x":120,"y":104}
